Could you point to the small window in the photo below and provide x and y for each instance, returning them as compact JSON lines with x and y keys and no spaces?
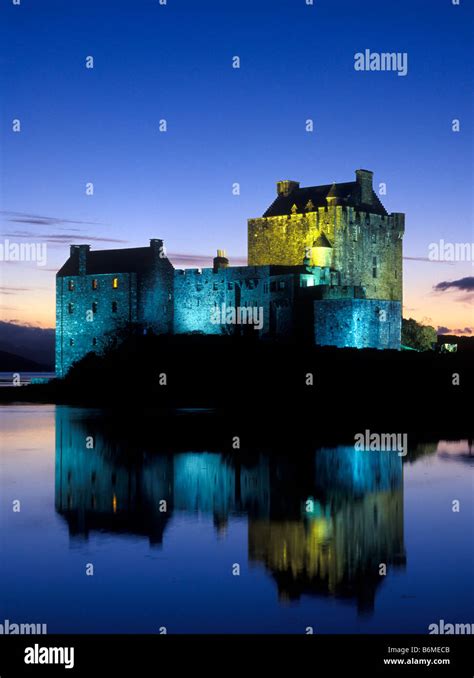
{"x":115,"y":283}
{"x":94,"y":341}
{"x":230,"y":286}
{"x":70,"y":308}
{"x":272,"y":286}
{"x":374,"y":273}
{"x":374,"y":261}
{"x":215,"y":286}
{"x":114,"y":307}
{"x":71,"y":285}
{"x":95,"y":284}
{"x":71,"y":342}
{"x":94,"y":307}
{"x":374,"y":237}
{"x":282,"y":284}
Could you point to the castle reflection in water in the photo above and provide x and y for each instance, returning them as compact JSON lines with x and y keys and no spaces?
{"x":320,"y":526}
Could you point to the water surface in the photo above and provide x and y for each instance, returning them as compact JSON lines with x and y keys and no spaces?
{"x":308,"y":531}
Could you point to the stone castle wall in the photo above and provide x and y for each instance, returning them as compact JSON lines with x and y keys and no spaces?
{"x":85,"y":315}
{"x":367,"y":248}
{"x":357,"y":323}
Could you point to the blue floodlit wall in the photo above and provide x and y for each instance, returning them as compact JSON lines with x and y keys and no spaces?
{"x":357,"y":323}
{"x":197,"y":292}
{"x":85,"y":315}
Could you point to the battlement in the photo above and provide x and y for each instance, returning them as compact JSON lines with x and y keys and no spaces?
{"x":322,"y":262}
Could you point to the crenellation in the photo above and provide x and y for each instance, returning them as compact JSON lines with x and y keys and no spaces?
{"x":323,"y":262}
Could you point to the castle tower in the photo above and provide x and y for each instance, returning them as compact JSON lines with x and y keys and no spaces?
{"x":344,"y":225}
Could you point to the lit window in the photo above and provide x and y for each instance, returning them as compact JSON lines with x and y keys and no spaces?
{"x":115,"y":283}
{"x":94,"y":307}
{"x":70,"y":308}
{"x":114,"y":307}
{"x":71,"y":285}
{"x":94,"y":284}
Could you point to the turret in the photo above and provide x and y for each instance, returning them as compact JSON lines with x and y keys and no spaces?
{"x":322,"y":252}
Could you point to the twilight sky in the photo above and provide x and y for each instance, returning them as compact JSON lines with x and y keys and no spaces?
{"x":226,"y":125}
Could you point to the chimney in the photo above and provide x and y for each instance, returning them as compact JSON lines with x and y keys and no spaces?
{"x":79,"y":254}
{"x":220,"y":261}
{"x":157,"y":247}
{"x":364,"y":180}
{"x":286,"y":187}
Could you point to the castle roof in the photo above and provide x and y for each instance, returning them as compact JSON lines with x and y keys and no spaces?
{"x":321,"y":241}
{"x":347,"y":193}
{"x":131,"y":260}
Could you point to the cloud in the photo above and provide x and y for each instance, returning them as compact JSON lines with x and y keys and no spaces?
{"x":463,"y":284}
{"x":185,"y":260}
{"x":65,"y":230}
{"x":458,"y":330}
{"x":60,"y":238}
{"x":431,"y":261}
{"x":13,"y":290}
{"x":39,"y":220}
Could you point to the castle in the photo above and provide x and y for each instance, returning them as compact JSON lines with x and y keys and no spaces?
{"x":324,"y":264}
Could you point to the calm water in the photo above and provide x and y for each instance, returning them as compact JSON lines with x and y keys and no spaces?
{"x":174,"y":568}
{"x":23,"y":378}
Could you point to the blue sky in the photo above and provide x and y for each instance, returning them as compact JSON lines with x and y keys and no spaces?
{"x":228,"y":125}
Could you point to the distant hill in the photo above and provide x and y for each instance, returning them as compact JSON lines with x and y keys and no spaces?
{"x":29,"y":343}
{"x":9,"y":362}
